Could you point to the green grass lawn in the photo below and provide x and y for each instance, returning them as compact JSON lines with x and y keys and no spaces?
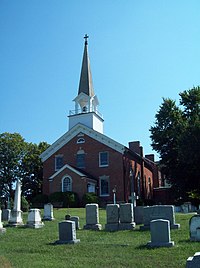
{"x":25,"y":247}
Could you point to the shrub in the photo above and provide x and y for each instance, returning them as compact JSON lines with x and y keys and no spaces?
{"x":39,"y":200}
{"x":68,"y":199}
{"x":24,"y":204}
{"x":89,"y":198}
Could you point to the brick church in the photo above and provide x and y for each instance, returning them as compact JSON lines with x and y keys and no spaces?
{"x":85,"y":160}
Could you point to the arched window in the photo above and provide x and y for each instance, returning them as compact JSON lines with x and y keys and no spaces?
{"x":66,"y":184}
{"x":81,"y":140}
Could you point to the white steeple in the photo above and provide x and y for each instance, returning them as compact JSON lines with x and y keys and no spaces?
{"x":86,"y":102}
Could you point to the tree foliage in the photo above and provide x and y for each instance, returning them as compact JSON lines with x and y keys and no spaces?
{"x":176,"y":137}
{"x":20,"y":160}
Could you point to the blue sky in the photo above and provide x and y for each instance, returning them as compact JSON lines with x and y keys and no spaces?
{"x":140,"y":51}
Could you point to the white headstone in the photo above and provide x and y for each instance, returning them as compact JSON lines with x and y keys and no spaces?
{"x":92,"y":217}
{"x":2,"y":230}
{"x":126,"y":217}
{"x":165,"y":212}
{"x":67,"y":233}
{"x":34,"y":219}
{"x":160,"y":234}
{"x":112,"y":216}
{"x":16,"y":213}
{"x":194,"y":225}
{"x":48,"y":212}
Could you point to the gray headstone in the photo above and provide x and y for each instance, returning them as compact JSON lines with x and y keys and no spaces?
{"x":139,"y":214}
{"x":160,"y":234}
{"x":194,"y":225}
{"x":34,"y":219}
{"x":165,"y":212}
{"x":6,"y":214}
{"x":126,"y":217}
{"x":48,"y":212}
{"x":76,"y":220}
{"x":92,"y":217}
{"x":193,"y":262}
{"x":67,"y":233}
{"x":112,"y":216}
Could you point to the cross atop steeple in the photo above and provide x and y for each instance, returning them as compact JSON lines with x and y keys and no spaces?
{"x":86,"y":38}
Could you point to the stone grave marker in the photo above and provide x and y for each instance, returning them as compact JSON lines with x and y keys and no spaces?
{"x":76,"y":220}
{"x":165,"y":212}
{"x":92,"y":217}
{"x":48,"y":212}
{"x":6,"y":214}
{"x":126,"y":216}
{"x":193,"y":262}
{"x":67,"y":233}
{"x":34,"y":219}
{"x":160,"y":234}
{"x":139,"y":214}
{"x":16,"y":213}
{"x":112,"y":216}
{"x":2,"y":230}
{"x":194,"y":226}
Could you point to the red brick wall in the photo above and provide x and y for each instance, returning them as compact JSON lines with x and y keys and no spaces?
{"x":92,"y":149}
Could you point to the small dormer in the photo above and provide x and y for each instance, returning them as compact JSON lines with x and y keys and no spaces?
{"x":86,"y":102}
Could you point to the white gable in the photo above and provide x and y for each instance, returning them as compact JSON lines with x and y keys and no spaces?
{"x":74,"y":132}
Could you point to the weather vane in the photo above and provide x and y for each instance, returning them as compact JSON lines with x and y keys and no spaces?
{"x":86,"y":38}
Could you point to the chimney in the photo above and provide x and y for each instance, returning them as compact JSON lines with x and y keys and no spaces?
{"x":135,"y":147}
{"x":150,"y":157}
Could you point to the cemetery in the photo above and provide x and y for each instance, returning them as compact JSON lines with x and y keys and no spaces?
{"x":67,"y":239}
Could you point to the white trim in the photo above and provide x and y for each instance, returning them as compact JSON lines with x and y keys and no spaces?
{"x":100,"y":165}
{"x":70,"y":168}
{"x":73,"y":132}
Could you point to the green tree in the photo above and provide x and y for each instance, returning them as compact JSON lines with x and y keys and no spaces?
{"x":176,"y":137}
{"x":20,"y":160}
{"x":12,"y":150}
{"x":32,"y":170}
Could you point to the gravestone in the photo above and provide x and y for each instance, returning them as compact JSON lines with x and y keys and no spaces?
{"x":6,"y":214}
{"x":2,"y":230}
{"x":193,"y":262}
{"x":194,"y":226}
{"x":16,"y":213}
{"x":139,"y":214}
{"x":112,"y":216}
{"x":92,"y":217}
{"x":76,"y":220}
{"x":67,"y":233}
{"x":165,"y":212}
{"x":34,"y":219}
{"x":126,"y":217}
{"x":160,"y":234}
{"x":48,"y":212}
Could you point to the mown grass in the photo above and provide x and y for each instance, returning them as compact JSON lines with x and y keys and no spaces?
{"x":24,"y":247}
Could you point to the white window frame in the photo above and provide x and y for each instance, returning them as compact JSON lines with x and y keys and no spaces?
{"x":80,"y":140}
{"x":92,"y":185}
{"x":100,"y":185}
{"x":56,"y":157}
{"x":100,"y":163}
{"x":80,"y":152}
{"x":70,"y":183}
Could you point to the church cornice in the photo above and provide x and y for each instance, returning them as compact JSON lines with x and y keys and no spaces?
{"x":74,"y":132}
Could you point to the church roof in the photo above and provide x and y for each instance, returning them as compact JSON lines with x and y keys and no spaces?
{"x":85,"y":84}
{"x":79,"y":128}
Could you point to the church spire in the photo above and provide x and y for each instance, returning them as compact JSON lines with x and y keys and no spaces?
{"x":85,"y":84}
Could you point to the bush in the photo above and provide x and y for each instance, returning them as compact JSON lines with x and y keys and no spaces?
{"x":39,"y":200}
{"x":89,"y":198}
{"x":68,"y":199}
{"x":24,"y":204}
